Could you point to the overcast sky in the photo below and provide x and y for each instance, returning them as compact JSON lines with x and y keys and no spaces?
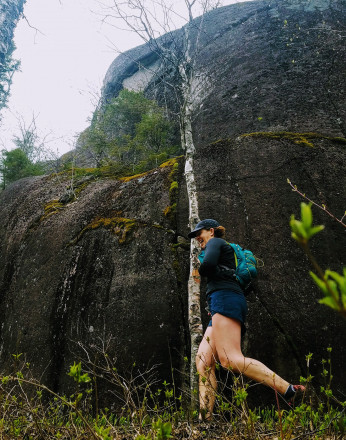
{"x":63,"y":64}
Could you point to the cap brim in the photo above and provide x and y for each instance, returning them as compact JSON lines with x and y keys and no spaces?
{"x":193,"y":233}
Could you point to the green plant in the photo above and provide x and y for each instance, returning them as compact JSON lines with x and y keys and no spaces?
{"x":15,"y":165}
{"x":131,"y":130}
{"x":148,"y":410}
{"x":332,"y":284}
{"x":8,"y":67}
{"x":162,"y":430}
{"x":76,"y":373}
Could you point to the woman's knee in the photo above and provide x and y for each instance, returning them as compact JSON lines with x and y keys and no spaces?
{"x":204,"y":362}
{"x":234,"y":362}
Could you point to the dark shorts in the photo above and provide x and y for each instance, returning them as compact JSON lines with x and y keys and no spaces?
{"x":230,"y":304}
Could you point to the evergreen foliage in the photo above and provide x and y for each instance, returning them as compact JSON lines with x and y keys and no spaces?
{"x":130,"y":130}
{"x":8,"y":66}
{"x":25,"y":160}
{"x":15,"y":165}
{"x":129,"y":135}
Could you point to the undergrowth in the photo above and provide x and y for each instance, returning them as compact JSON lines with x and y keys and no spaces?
{"x":148,"y":410}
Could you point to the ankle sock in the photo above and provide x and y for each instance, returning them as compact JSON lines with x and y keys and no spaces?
{"x":290,"y":392}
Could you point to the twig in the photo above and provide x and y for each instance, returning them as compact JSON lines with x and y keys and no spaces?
{"x":279,"y":410}
{"x":66,"y":402}
{"x":322,"y":207}
{"x":32,"y":27}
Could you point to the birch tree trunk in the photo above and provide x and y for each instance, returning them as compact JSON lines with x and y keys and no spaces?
{"x":139,"y":18}
{"x":195,"y":323}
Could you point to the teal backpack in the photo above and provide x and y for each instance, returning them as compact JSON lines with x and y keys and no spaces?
{"x":246,"y":265}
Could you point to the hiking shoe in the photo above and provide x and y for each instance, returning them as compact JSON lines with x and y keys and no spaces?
{"x":294,"y":393}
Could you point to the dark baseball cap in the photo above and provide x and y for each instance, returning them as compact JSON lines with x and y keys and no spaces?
{"x":203,"y":224}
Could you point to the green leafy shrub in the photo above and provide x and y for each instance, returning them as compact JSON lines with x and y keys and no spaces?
{"x":332,"y":284}
{"x":8,"y":67}
{"x":130,"y":129}
{"x":154,"y":411}
{"x":15,"y":165}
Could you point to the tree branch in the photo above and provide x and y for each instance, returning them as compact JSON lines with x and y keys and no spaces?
{"x":322,"y":207}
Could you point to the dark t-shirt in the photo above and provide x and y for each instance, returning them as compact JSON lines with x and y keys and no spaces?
{"x":219,"y":266}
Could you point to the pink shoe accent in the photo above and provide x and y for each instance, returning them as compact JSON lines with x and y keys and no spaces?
{"x":299,"y":388}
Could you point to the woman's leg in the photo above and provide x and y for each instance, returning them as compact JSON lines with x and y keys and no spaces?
{"x":227,"y":336}
{"x":205,"y":363}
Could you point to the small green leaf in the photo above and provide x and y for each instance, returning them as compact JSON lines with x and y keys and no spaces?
{"x":315,"y":230}
{"x":339,"y":279}
{"x":299,"y":229}
{"x":306,"y":215}
{"x":320,"y":283}
{"x":295,"y":236}
{"x":330,"y":302}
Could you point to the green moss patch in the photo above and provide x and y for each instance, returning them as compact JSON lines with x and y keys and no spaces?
{"x":135,"y":176}
{"x":174,"y":162}
{"x":185,"y":246}
{"x":170,"y":210}
{"x":173,"y":190}
{"x":120,"y":226}
{"x":51,"y":208}
{"x":297,"y":138}
{"x":82,"y":177}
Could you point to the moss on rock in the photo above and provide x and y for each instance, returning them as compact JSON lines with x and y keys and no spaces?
{"x":120,"y":226}
{"x":51,"y":208}
{"x":297,"y":138}
{"x":173,"y":162}
{"x":135,"y":176}
{"x":170,"y":210}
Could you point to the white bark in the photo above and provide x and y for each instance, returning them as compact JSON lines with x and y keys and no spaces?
{"x":195,"y":323}
{"x":140,"y":19}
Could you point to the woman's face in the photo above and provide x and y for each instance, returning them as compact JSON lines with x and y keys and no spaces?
{"x":203,"y":236}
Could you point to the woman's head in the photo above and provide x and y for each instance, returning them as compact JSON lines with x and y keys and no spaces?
{"x":207,"y":229}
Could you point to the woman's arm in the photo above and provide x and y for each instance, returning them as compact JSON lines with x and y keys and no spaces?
{"x":209,"y":267}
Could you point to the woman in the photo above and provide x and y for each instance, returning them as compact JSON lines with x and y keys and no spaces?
{"x":228,"y":308}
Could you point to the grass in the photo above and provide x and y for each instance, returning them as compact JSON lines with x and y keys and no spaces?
{"x":152,"y":411}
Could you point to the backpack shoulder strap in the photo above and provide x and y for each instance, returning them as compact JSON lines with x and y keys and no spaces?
{"x":237,"y":252}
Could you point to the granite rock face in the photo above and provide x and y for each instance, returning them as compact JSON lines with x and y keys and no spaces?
{"x":112,"y":265}
{"x":261,"y":66}
{"x":100,"y":269}
{"x":243,"y":183}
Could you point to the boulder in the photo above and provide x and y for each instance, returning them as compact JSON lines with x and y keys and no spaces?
{"x":104,"y":268}
{"x":109,"y":263}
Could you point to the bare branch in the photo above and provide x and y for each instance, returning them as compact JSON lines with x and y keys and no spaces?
{"x":37,"y":31}
{"x":322,"y":206}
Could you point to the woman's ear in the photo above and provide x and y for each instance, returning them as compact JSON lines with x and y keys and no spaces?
{"x":212,"y":231}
